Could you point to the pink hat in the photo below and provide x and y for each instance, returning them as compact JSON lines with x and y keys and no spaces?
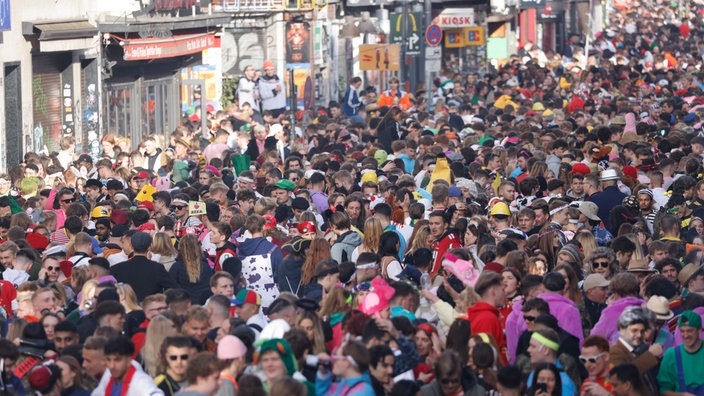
{"x":462,"y":269}
{"x":378,"y":299}
{"x":230,"y":347}
{"x":162,"y":183}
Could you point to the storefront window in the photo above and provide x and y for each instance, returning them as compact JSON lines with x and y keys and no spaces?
{"x":119,"y":109}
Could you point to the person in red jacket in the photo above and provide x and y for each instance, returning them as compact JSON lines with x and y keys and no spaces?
{"x":444,"y":239}
{"x":484,"y":316}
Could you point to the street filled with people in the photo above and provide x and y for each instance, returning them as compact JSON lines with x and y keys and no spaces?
{"x":535,"y":230}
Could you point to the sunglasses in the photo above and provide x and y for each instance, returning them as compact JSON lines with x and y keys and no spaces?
{"x":70,"y":200}
{"x":174,"y":358}
{"x":50,"y":268}
{"x":529,"y":318}
{"x":591,"y":359}
{"x":449,"y":381}
{"x":177,"y":207}
{"x":602,"y":264}
{"x":294,"y":179}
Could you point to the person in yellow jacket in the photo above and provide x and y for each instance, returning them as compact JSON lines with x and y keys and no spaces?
{"x":394,"y":96}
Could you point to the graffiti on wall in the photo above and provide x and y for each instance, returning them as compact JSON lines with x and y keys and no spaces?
{"x":241,"y":48}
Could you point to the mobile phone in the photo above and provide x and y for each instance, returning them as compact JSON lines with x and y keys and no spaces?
{"x":541,"y":386}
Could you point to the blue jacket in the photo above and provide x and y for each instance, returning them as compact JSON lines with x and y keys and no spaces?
{"x":607,"y":199}
{"x":357,"y":386}
{"x":351,"y":102}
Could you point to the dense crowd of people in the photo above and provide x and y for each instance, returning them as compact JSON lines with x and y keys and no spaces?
{"x":538,"y":230}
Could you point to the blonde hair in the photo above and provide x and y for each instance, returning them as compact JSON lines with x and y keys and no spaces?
{"x":87,"y":292}
{"x":159,"y":328}
{"x":372,"y":234}
{"x":161,"y":244}
{"x":588,"y":242}
{"x":128,"y":298}
{"x":189,"y":253}
{"x":264,"y":205}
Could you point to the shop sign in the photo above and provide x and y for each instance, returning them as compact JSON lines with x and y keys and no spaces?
{"x":455,"y":18}
{"x":146,"y":49}
{"x":551,"y":13}
{"x":474,"y":35}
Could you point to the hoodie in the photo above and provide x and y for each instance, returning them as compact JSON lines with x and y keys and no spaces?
{"x":258,"y":255}
{"x":357,"y":386}
{"x":567,"y":314}
{"x":484,"y":318}
{"x":607,"y":326}
{"x":345,"y":245}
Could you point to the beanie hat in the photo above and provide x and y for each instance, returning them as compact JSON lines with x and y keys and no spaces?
{"x":44,"y":378}
{"x":573,"y":251}
{"x":230,"y":347}
{"x":283,"y":348}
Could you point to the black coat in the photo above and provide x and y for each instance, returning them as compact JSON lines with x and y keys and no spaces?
{"x":200,"y":290}
{"x":146,"y":277}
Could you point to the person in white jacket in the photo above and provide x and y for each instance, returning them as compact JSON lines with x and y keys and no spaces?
{"x":272,"y":90}
{"x":123,"y":372}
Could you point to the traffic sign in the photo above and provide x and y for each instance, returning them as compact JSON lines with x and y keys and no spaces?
{"x":433,"y":56}
{"x":433,"y":35}
{"x":379,"y":57}
{"x":413,"y":22}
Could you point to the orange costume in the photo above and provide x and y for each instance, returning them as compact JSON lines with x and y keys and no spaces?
{"x":395,"y":98}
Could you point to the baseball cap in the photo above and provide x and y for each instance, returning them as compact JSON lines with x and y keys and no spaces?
{"x":84,"y":158}
{"x":594,"y":280}
{"x":454,"y":191}
{"x":141,"y":175}
{"x":247,"y":296}
{"x":691,"y":319}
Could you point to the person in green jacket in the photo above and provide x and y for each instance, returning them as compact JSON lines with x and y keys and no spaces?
{"x":681,"y":366}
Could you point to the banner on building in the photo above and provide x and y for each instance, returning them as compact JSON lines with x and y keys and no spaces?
{"x":147,"y":49}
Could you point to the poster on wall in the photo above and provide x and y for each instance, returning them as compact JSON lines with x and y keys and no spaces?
{"x":301,"y":71}
{"x":5,"y":15}
{"x":298,"y":42}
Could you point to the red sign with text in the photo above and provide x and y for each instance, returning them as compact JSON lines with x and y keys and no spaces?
{"x":146,"y":49}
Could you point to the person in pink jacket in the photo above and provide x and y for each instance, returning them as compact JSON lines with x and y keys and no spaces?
{"x":561,"y":307}
{"x":624,"y":293}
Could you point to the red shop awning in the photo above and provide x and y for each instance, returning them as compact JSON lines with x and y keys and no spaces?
{"x":146,"y":49}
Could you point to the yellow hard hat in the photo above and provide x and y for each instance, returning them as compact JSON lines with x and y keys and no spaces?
{"x":99,"y":212}
{"x":500,"y":208}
